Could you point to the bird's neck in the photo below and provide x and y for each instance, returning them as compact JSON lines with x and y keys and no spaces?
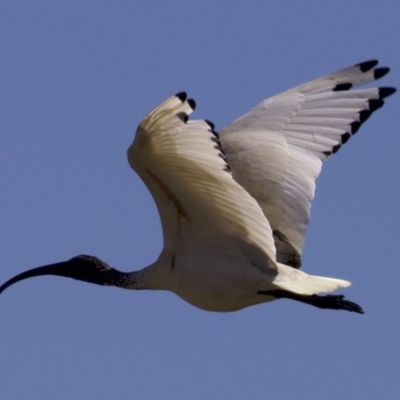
{"x":150,"y":277}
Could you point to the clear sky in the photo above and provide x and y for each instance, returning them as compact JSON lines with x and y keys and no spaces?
{"x":76,"y":79}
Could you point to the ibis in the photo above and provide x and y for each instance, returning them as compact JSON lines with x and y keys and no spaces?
{"x":235,"y":205}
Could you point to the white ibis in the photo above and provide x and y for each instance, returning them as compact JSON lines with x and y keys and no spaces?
{"x":235,"y":207}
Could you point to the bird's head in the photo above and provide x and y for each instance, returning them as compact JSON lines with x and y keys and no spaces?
{"x":83,"y":268}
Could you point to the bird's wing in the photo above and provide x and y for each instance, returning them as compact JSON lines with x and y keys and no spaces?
{"x":276,"y":150}
{"x":182,"y":165}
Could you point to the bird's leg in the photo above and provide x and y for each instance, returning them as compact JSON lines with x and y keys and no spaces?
{"x":333,"y":302}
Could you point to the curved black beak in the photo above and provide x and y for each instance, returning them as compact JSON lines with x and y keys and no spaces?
{"x":83,"y":268}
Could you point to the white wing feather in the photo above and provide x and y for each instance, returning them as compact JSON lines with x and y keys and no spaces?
{"x":276,"y":150}
{"x":181,"y":163}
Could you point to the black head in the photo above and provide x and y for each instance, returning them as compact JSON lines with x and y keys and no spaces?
{"x":83,"y":268}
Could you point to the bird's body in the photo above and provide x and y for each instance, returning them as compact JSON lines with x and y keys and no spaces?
{"x":200,"y":277}
{"x":234,"y":207}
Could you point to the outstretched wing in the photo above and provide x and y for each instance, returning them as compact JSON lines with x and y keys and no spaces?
{"x":182,"y":165}
{"x":276,"y":150}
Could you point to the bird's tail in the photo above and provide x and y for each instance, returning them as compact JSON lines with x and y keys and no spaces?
{"x":299,"y":282}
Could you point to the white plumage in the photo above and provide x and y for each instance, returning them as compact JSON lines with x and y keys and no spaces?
{"x":235,"y":207}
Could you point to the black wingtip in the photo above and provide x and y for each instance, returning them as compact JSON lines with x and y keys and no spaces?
{"x":210,"y":124}
{"x":192,"y":104}
{"x":367,"y":65}
{"x":336,"y":148}
{"x":355,"y":126}
{"x":182,"y":96}
{"x":380,"y":72}
{"x":342,"y":86}
{"x":386,"y":92}
{"x":345,"y":137}
{"x":212,"y":128}
{"x":364,"y":115}
{"x":375,"y":104}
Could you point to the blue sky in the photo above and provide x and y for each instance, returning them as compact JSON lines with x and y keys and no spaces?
{"x":76,"y":79}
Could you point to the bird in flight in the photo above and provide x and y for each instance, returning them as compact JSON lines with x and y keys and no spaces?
{"x":235,"y":205}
